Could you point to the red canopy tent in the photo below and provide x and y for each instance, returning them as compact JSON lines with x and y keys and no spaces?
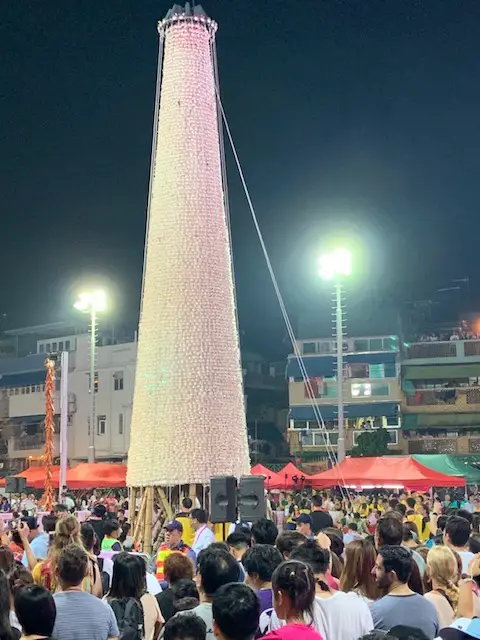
{"x":384,"y":471}
{"x":290,"y":477}
{"x":270,"y":476}
{"x":35,"y":477}
{"x":97,"y":475}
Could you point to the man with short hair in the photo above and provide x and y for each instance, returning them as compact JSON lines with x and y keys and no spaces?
{"x":287,"y":541}
{"x":236,"y":611}
{"x":184,"y":517}
{"x":392,"y":571}
{"x":264,"y":531}
{"x":304,"y":525}
{"x":456,"y":535}
{"x":173,"y":542}
{"x":216,"y":567}
{"x":260,"y":562}
{"x":238,"y":544}
{"x":80,"y":615}
{"x":389,"y":531}
{"x":204,"y":536}
{"x":187,"y":627}
{"x":321,"y":519}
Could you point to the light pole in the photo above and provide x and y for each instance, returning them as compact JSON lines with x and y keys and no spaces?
{"x":335,"y":266}
{"x":92,"y":303}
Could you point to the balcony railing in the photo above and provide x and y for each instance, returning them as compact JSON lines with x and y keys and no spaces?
{"x":433,"y":445}
{"x":432,"y":350}
{"x":23,"y":443}
{"x":459,"y":397}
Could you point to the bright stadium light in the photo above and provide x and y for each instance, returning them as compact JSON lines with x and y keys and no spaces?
{"x":336,"y":264}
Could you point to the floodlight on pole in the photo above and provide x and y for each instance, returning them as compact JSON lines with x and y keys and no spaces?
{"x":335,"y":266}
{"x":92,"y":303}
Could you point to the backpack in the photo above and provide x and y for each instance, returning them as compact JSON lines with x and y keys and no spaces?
{"x":129,"y":615}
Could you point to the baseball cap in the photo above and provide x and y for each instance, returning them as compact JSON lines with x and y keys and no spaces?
{"x":462,"y":628}
{"x":174,"y":525}
{"x":31,"y":522}
{"x":304,"y":518}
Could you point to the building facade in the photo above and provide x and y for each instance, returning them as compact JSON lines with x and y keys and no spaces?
{"x":441,"y":405}
{"x":372,"y":394}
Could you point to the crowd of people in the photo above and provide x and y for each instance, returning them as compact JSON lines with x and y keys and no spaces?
{"x":339,"y":568}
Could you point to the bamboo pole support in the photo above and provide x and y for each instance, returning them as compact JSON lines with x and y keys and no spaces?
{"x":132,"y":504}
{"x":139,"y":523}
{"x":147,"y":534}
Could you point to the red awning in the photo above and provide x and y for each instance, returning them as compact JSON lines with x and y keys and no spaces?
{"x":385,"y":471}
{"x":97,"y":475}
{"x":35,"y":476}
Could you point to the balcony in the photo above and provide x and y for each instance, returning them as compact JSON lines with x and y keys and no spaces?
{"x":328,"y":346}
{"x":445,"y":400}
{"x":355,"y":391}
{"x":30,"y":445}
{"x":443,"y":352}
{"x":459,"y":445}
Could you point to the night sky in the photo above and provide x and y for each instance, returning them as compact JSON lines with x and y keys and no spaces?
{"x":354,"y":118}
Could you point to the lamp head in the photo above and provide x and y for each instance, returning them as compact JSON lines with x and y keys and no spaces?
{"x":88,"y":301}
{"x":338,"y":263}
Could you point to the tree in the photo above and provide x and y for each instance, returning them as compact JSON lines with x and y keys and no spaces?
{"x":371,"y":443}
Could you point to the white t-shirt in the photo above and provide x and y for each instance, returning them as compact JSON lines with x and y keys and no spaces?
{"x":466,"y":556}
{"x":346,"y":616}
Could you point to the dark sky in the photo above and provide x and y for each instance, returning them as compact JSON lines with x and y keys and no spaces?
{"x":353,"y":117}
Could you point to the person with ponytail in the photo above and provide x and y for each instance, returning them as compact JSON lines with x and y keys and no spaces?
{"x":67,"y":531}
{"x":293,"y":586}
{"x":449,"y":599}
{"x":339,"y":615}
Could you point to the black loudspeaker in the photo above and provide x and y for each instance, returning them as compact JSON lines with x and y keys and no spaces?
{"x":251,"y":498}
{"x":15,"y":485}
{"x":223,"y":499}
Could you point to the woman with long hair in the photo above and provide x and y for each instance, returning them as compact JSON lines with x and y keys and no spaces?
{"x":293,"y":586}
{"x":67,"y":531}
{"x":357,"y":575}
{"x":7,"y":632}
{"x":129,"y":593}
{"x":450,"y":600}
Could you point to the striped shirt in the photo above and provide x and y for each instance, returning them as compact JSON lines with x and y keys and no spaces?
{"x":81,"y":616}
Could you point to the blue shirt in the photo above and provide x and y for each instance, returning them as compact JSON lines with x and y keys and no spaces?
{"x":39,"y":547}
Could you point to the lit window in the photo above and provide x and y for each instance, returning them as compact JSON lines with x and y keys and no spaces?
{"x":101,"y":425}
{"x":361,"y":390}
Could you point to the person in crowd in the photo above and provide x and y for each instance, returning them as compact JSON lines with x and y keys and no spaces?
{"x":357,"y":575}
{"x":185,"y":596}
{"x":60,"y":510}
{"x":203,"y":535}
{"x":67,"y":531}
{"x":392,"y":571}
{"x":410,"y":535}
{"x":184,"y":517}
{"x":16,"y":545}
{"x":293,"y":586}
{"x":351,"y":533}
{"x":18,"y":578}
{"x":238,"y":543}
{"x":389,"y":532}
{"x":474,"y":543}
{"x":80,"y":615}
{"x":173,"y":542}
{"x":111,"y":533}
{"x":287,"y":541}
{"x":264,"y":532}
{"x":304,"y":525}
{"x":344,"y":616}
{"x":216,"y":567}
{"x":336,"y":541}
{"x":97,"y":520}
{"x":39,"y":542}
{"x":186,"y":627}
{"x":321,"y":519}
{"x":7,"y":559}
{"x":177,"y":567}
{"x":236,"y":612}
{"x":457,"y":533}
{"x":450,"y":599}
{"x":7,"y":632}
{"x":129,"y":599}
{"x":104,"y":565}
{"x":36,"y":611}
{"x":259,"y":563}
